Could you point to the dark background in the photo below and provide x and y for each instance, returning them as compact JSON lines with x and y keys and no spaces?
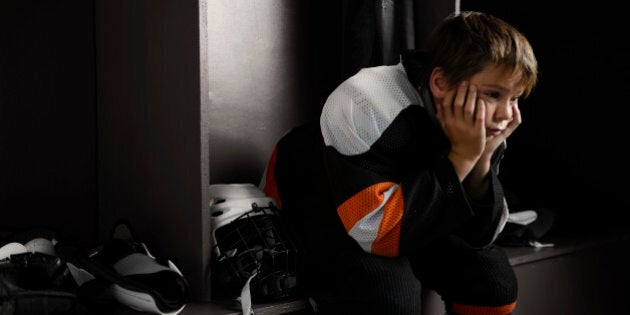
{"x":568,"y":155}
{"x":48,"y":116}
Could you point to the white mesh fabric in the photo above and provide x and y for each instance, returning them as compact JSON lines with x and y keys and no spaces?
{"x":362,"y":107}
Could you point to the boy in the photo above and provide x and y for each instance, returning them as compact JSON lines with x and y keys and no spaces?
{"x":397,"y":187}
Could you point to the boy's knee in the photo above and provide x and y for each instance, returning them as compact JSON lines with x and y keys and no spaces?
{"x":493,"y":287}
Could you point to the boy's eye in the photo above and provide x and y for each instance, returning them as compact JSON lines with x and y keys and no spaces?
{"x":493,"y":94}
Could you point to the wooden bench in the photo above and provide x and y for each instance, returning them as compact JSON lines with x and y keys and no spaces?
{"x":578,"y":275}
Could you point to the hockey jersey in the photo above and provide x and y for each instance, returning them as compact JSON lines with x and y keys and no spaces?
{"x":379,"y":160}
{"x":394,"y":188}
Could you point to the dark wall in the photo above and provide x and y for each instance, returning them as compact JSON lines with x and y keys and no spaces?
{"x":567,"y":153}
{"x":47,"y":116}
{"x":153,"y":128}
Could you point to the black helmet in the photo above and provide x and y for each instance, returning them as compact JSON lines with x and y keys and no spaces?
{"x":251,"y":245}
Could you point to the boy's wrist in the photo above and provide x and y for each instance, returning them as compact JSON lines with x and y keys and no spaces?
{"x":463,"y":166}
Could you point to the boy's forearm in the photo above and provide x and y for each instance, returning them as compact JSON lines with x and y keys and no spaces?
{"x":478,"y":181}
{"x":463,"y":167}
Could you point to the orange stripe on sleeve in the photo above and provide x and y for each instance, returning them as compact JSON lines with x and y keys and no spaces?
{"x":388,"y":239}
{"x":366,"y":201}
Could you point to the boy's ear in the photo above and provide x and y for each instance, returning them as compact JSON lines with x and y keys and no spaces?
{"x":438,"y":83}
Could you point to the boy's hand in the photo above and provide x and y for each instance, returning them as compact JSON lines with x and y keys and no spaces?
{"x":477,"y":181}
{"x":462,"y":116}
{"x":494,"y":142}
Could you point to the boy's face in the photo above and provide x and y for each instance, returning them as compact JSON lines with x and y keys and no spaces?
{"x":500,"y":89}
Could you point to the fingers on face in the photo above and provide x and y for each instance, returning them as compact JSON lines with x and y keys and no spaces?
{"x":462,"y":103}
{"x":466,"y":104}
{"x":516,"y":114}
{"x":446,"y":106}
{"x":480,"y":114}
{"x":443,"y":107}
{"x":471,"y":103}
{"x":460,"y":99}
{"x":516,"y":118}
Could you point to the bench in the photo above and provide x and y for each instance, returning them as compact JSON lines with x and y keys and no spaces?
{"x":578,"y":275}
